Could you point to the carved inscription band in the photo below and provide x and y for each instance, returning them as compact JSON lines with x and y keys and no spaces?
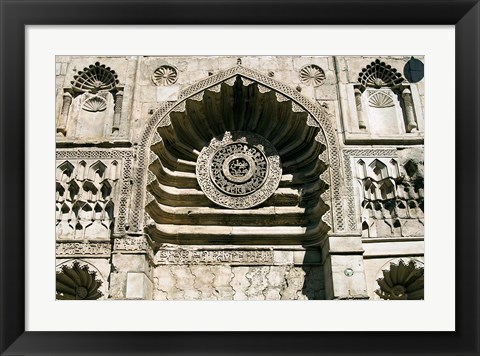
{"x":83,"y":249}
{"x":234,"y":257}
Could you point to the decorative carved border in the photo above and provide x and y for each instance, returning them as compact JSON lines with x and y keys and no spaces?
{"x":347,"y":154}
{"x":82,"y":249}
{"x":201,"y":257}
{"x":319,"y":115}
{"x":133,"y":245}
{"x":125,"y":188}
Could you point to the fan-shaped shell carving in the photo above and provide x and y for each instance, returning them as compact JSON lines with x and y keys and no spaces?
{"x":165,"y":76}
{"x":95,"y":78}
{"x":77,"y":283}
{"x":312,"y":75}
{"x":402,"y":281}
{"x":378,"y":74}
{"x":380,"y":99}
{"x":95,"y":104}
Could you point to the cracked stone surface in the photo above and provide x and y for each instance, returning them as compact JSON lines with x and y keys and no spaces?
{"x":224,"y":282}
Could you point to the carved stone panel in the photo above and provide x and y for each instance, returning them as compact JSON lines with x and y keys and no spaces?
{"x":239,"y":170}
{"x":92,"y":190}
{"x":388,"y":191}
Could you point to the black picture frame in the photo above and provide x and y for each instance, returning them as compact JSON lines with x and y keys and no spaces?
{"x":15,"y":15}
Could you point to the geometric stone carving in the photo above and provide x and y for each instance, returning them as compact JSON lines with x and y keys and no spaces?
{"x":117,"y":174}
{"x":83,"y":249}
{"x":312,"y":75}
{"x":84,"y":204}
{"x":391,"y":197}
{"x":77,"y":282}
{"x":404,"y":280}
{"x":164,"y":76}
{"x":378,"y":74}
{"x":238,"y":170}
{"x":95,"y":78}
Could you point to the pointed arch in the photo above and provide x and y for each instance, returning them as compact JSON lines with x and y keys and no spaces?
{"x":316,"y":117}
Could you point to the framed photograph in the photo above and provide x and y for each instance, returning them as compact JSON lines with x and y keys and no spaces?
{"x":236,"y":178}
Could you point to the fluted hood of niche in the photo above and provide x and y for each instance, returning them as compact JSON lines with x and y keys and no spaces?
{"x":237,"y":164}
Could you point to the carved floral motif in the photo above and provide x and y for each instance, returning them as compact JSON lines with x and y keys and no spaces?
{"x":165,"y":75}
{"x":312,"y":75}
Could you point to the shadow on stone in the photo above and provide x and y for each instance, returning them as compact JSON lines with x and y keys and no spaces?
{"x":314,"y":283}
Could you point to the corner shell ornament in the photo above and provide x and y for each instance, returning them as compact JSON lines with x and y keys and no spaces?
{"x":239,"y":170}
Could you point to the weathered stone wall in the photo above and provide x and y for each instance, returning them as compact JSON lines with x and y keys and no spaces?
{"x":224,"y":282}
{"x":360,"y":210}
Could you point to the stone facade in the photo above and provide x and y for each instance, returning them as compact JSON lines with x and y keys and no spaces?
{"x":239,"y":178}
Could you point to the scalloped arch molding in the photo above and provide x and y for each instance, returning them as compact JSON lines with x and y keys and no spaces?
{"x":317,"y":117}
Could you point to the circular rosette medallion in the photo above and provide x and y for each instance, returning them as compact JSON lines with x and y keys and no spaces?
{"x":238,"y":170}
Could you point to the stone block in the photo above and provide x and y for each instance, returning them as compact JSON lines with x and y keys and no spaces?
{"x":130,"y":262}
{"x":226,"y":62}
{"x":300,"y":62}
{"x":397,"y":248}
{"x":412,"y":227}
{"x":348,"y":285}
{"x":345,"y":244}
{"x":63,"y":70}
{"x":138,"y":286}
{"x":281,"y":257}
{"x":276,"y":276}
{"x":118,"y":284}
{"x":148,"y":94}
{"x":307,"y":257}
{"x":276,"y":63}
{"x":208,"y":63}
{"x":240,"y":283}
{"x":169,"y":93}
{"x":326,"y":92}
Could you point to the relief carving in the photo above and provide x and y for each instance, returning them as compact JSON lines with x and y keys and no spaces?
{"x":83,"y":249}
{"x":312,"y":75}
{"x":391,"y":196}
{"x":239,"y":170}
{"x":234,"y":257}
{"x":92,"y":103}
{"x":84,"y":199}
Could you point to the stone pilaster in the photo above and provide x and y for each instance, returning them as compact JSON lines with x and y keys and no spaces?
{"x":117,"y":112}
{"x":131,"y":276}
{"x":408,"y":102}
{"x":359,"y":105}
{"x":63,"y":118}
{"x":343,"y":267}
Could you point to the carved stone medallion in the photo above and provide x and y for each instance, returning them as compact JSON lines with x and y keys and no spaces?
{"x":239,"y":170}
